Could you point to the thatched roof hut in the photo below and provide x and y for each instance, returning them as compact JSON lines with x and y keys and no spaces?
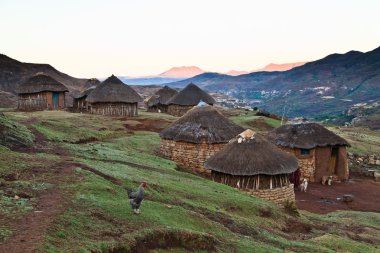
{"x":40,"y":83}
{"x":201,"y":124}
{"x":79,"y":100}
{"x":41,"y":92}
{"x":251,"y":163}
{"x":188,"y":97}
{"x":113,"y":97}
{"x":160,"y":99}
{"x":251,"y":157}
{"x":320,"y":152}
{"x":196,"y":136}
{"x":113,"y":90}
{"x":305,"y":136}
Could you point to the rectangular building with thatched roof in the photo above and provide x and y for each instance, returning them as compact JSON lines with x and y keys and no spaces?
{"x":190,"y":96}
{"x":320,"y":152}
{"x":114,"y":98}
{"x":41,"y":92}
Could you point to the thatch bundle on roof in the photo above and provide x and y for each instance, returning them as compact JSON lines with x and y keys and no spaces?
{"x":188,"y":97}
{"x":113,"y":97}
{"x":202,"y":124}
{"x":196,"y":136}
{"x":41,"y":92}
{"x":320,"y":152}
{"x":160,"y":99}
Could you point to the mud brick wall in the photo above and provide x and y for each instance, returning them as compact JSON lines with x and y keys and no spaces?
{"x":277,"y":195}
{"x":178,"y":110}
{"x":306,"y":163}
{"x":189,"y":155}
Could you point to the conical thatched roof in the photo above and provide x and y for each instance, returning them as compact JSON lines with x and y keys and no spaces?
{"x":305,"y":135}
{"x":255,"y":156}
{"x":202,"y":124}
{"x":39,"y":83}
{"x":112,"y":90}
{"x":165,"y":94}
{"x":191,"y":95}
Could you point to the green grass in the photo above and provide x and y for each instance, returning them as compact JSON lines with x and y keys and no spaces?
{"x":177,"y":204}
{"x":13,"y":133}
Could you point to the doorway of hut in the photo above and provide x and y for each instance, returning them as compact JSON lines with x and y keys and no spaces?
{"x":55,"y":99}
{"x":334,"y":160}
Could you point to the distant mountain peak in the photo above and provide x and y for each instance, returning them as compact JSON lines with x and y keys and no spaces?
{"x":182,"y":72}
{"x":280,"y":67}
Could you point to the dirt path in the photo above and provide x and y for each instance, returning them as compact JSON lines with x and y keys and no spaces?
{"x":29,"y":231}
{"x":324,"y":199}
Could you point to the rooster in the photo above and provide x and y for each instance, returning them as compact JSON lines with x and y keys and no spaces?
{"x":135,"y":198}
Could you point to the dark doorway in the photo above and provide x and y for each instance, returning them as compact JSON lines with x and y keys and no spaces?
{"x":55,"y":99}
{"x":334,"y":160}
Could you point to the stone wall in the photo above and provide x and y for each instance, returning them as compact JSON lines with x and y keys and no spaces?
{"x":178,"y":110}
{"x":277,"y":195}
{"x":306,"y":163}
{"x":189,"y":155}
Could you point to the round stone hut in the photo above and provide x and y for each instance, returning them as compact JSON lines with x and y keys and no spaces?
{"x":320,"y":152}
{"x":113,"y":98}
{"x":41,"y":92}
{"x":158,"y":102}
{"x":196,"y":136}
{"x":190,"y":96}
{"x":252,"y":164}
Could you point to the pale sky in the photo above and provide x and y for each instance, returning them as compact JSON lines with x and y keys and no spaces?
{"x":94,"y":38}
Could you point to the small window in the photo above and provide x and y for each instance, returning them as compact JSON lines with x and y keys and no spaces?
{"x":305,"y":151}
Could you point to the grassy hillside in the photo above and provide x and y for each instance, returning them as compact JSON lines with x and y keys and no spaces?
{"x":73,"y":184}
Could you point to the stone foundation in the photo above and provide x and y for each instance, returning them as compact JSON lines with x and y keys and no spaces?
{"x":277,"y":195}
{"x":306,"y":163}
{"x":189,"y":155}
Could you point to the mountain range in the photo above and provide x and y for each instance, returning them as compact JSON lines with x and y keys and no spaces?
{"x":327,"y":86}
{"x":180,"y":73}
{"x":320,"y":88}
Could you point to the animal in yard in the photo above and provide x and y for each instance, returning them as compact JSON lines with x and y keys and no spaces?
{"x":327,"y":179}
{"x":304,"y":185}
{"x":136,"y":197}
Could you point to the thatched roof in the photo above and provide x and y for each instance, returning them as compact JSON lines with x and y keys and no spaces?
{"x":85,"y":93}
{"x":112,"y":90}
{"x":305,"y":135}
{"x":191,"y":95}
{"x":255,"y":156}
{"x":165,"y":94}
{"x":161,"y":96}
{"x":202,"y":124}
{"x":39,"y":83}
